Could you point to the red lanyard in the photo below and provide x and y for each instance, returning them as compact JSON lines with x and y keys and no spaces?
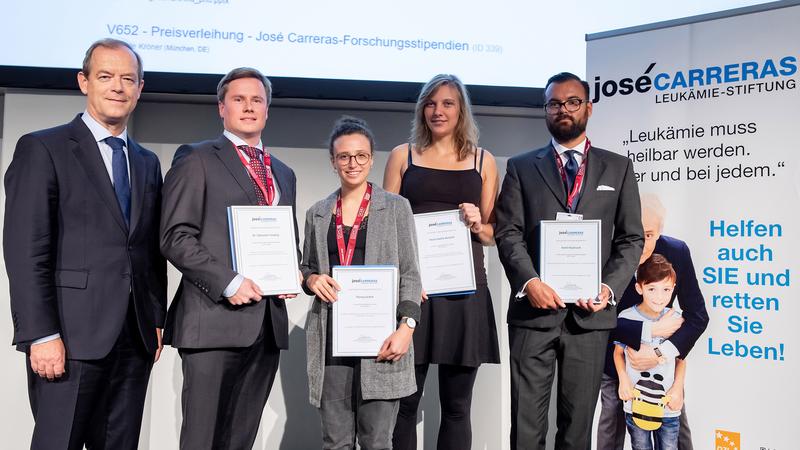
{"x":346,"y":253}
{"x":269,"y":190}
{"x":576,"y":187}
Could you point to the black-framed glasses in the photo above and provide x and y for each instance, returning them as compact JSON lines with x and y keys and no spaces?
{"x":571,"y":105}
{"x":343,"y":159}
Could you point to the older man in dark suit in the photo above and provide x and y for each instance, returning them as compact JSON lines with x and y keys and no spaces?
{"x":88,"y":284}
{"x":568,"y":175}
{"x":228,"y":334}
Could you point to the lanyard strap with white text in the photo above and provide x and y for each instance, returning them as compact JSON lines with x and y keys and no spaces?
{"x":346,"y":253}
{"x":269,"y":190}
{"x":576,"y":186}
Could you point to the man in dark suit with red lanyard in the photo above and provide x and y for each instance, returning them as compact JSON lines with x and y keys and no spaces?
{"x":228,"y":334}
{"x":567,"y":176}
{"x":88,"y":283}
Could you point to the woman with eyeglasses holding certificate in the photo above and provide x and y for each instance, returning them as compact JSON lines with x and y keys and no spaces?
{"x":444,"y":169}
{"x":359,"y":224}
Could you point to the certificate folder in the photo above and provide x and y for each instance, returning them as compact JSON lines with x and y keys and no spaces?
{"x":365,"y":313}
{"x":569,"y":258}
{"x":263,"y":247}
{"x":445,"y":253}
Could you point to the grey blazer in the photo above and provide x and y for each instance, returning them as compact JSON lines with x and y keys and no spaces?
{"x":391,"y":239}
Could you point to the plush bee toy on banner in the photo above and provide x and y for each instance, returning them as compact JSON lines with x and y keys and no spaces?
{"x":649,"y":401}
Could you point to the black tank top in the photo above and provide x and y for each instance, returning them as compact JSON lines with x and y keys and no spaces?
{"x":429,"y":190}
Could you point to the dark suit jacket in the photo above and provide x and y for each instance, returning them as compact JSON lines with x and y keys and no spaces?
{"x":72,"y":262}
{"x":687,"y":291}
{"x":205,"y":179}
{"x":533,"y":191}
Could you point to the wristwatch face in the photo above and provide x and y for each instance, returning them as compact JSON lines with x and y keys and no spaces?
{"x":411,"y":322}
{"x":658,"y":352}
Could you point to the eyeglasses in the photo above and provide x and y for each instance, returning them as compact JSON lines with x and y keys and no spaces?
{"x":343,"y":159}
{"x":571,"y":105}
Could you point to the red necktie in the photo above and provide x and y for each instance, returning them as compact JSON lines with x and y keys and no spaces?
{"x":261,"y":172}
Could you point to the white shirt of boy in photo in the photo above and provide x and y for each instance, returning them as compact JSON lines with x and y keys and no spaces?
{"x":650,"y":385}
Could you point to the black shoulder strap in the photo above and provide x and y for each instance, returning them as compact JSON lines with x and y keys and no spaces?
{"x":410,"y":162}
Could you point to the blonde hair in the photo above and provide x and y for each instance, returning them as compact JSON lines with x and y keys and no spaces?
{"x":466,"y":132}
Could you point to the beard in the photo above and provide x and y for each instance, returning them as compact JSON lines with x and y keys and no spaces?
{"x":564,"y":132}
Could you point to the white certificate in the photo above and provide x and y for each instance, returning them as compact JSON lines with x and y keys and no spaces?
{"x":263,"y":247}
{"x":570,"y":258}
{"x":445,"y":253}
{"x":364,"y":314}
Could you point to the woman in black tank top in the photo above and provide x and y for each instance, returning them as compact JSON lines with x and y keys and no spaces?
{"x":443,"y":169}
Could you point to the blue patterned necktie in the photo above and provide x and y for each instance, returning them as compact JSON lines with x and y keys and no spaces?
{"x":571,"y":168}
{"x":119,"y":170}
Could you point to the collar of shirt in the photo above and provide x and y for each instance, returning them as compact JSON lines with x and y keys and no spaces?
{"x":561,"y":150}
{"x":237,"y":141}
{"x":638,"y":309}
{"x":100,"y":132}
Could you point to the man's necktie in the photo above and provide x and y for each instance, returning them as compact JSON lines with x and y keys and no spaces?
{"x":119,"y":170}
{"x":571,"y":168}
{"x":261,"y":172}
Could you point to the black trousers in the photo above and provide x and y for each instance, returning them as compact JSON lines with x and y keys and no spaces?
{"x":97,"y":403}
{"x":455,"y":398}
{"x":580,"y":357}
{"x":224,"y":393}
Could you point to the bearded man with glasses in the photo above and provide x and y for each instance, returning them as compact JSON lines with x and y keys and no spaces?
{"x":567,"y":176}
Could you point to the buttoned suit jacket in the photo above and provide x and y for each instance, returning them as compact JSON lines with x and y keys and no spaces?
{"x":533,"y":191}
{"x":204,"y":180}
{"x":73,"y":263}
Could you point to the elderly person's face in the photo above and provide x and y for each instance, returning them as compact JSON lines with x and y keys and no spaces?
{"x":112,"y":86}
{"x":652,"y":231}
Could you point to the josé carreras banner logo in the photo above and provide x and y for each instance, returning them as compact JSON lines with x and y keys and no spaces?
{"x":700,"y":83}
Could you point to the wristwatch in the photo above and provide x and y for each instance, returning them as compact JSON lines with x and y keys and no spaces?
{"x":409,"y":321}
{"x":661,"y":358}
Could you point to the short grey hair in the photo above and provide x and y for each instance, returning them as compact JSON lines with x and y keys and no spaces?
{"x":651,"y":202}
{"x":110,"y":43}
{"x":243,"y":72}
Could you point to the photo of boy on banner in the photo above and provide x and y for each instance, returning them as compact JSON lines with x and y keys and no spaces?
{"x":654,"y":397}
{"x":678,"y":332}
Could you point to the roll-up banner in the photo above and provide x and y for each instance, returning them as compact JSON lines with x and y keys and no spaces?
{"x":708,"y":110}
